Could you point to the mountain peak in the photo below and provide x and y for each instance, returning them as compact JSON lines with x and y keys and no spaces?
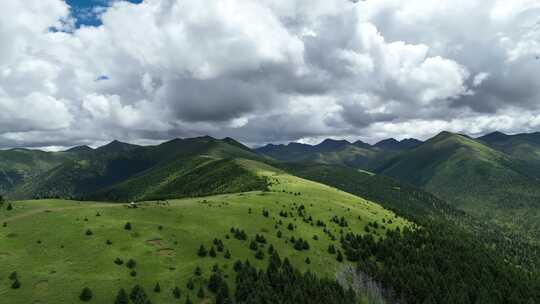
{"x":494,"y":136}
{"x":332,"y":144}
{"x":389,"y":144}
{"x":444,"y":135}
{"x":79,"y":149}
{"x":361,"y":144}
{"x":116,"y":146}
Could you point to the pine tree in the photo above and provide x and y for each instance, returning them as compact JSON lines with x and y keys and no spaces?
{"x":227,"y":254}
{"x":13,"y":275}
{"x":138,"y":295}
{"x":121,"y":297}
{"x":253,"y":245}
{"x":259,"y":255}
{"x":89,"y":232}
{"x":331,"y":249}
{"x":222,"y":295}
{"x":127,"y":226}
{"x":157,"y":288}
{"x":131,"y":264}
{"x":237,"y":266}
{"x":16,"y":284}
{"x":214,"y":282}
{"x":9,"y":207}
{"x":202,"y":252}
{"x":200,"y":293}
{"x":177,"y":293}
{"x":190,"y":285}
{"x":212,"y":252}
{"x":339,"y":257}
{"x":188,"y":300}
{"x":198,"y":271}
{"x":86,"y":295}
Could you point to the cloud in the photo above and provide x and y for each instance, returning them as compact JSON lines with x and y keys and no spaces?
{"x":266,"y":70}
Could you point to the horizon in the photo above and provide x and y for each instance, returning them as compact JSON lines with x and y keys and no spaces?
{"x":80,"y":72}
{"x":158,"y":142}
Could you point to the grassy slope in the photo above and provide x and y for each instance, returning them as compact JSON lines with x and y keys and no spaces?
{"x":474,"y":178}
{"x":18,"y":165}
{"x":116,"y":163}
{"x":52,"y":274}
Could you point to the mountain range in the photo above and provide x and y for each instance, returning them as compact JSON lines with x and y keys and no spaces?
{"x":468,"y":203}
{"x":494,"y":177}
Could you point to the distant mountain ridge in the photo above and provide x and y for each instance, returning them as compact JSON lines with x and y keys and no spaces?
{"x":120,"y":171}
{"x":340,"y":152}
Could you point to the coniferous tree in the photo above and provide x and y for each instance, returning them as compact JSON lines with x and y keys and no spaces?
{"x":131,"y":264}
{"x":222,"y":295}
{"x":121,"y":297}
{"x":16,"y":284}
{"x":138,"y":295}
{"x":339,"y":257}
{"x":190,"y":285}
{"x":331,"y":249}
{"x":13,"y":275}
{"x":253,"y":245}
{"x":227,"y":254}
{"x":198,"y":271}
{"x":157,"y":288}
{"x":202,"y":252}
{"x":177,"y":293}
{"x":9,"y":207}
{"x":127,"y":226}
{"x":188,"y":300}
{"x":86,"y":295}
{"x":212,"y":252}
{"x":200,"y":293}
{"x":237,"y":266}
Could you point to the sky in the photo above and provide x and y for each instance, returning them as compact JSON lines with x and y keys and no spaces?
{"x":87,"y":72}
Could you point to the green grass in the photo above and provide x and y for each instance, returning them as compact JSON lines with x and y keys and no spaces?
{"x":51,"y":274}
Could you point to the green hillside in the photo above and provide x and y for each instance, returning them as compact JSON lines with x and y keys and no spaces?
{"x":20,"y":165}
{"x":124,"y":172}
{"x":475,"y":178}
{"x":164,"y":240}
{"x":199,"y":176}
{"x":425,"y":209}
{"x":524,"y":146}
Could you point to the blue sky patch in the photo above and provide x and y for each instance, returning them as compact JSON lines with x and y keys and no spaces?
{"x":86,"y":12}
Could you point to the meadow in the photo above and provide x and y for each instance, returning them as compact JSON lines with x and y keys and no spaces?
{"x":58,"y":247}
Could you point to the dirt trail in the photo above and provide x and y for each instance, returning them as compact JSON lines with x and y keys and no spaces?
{"x":42,"y":210}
